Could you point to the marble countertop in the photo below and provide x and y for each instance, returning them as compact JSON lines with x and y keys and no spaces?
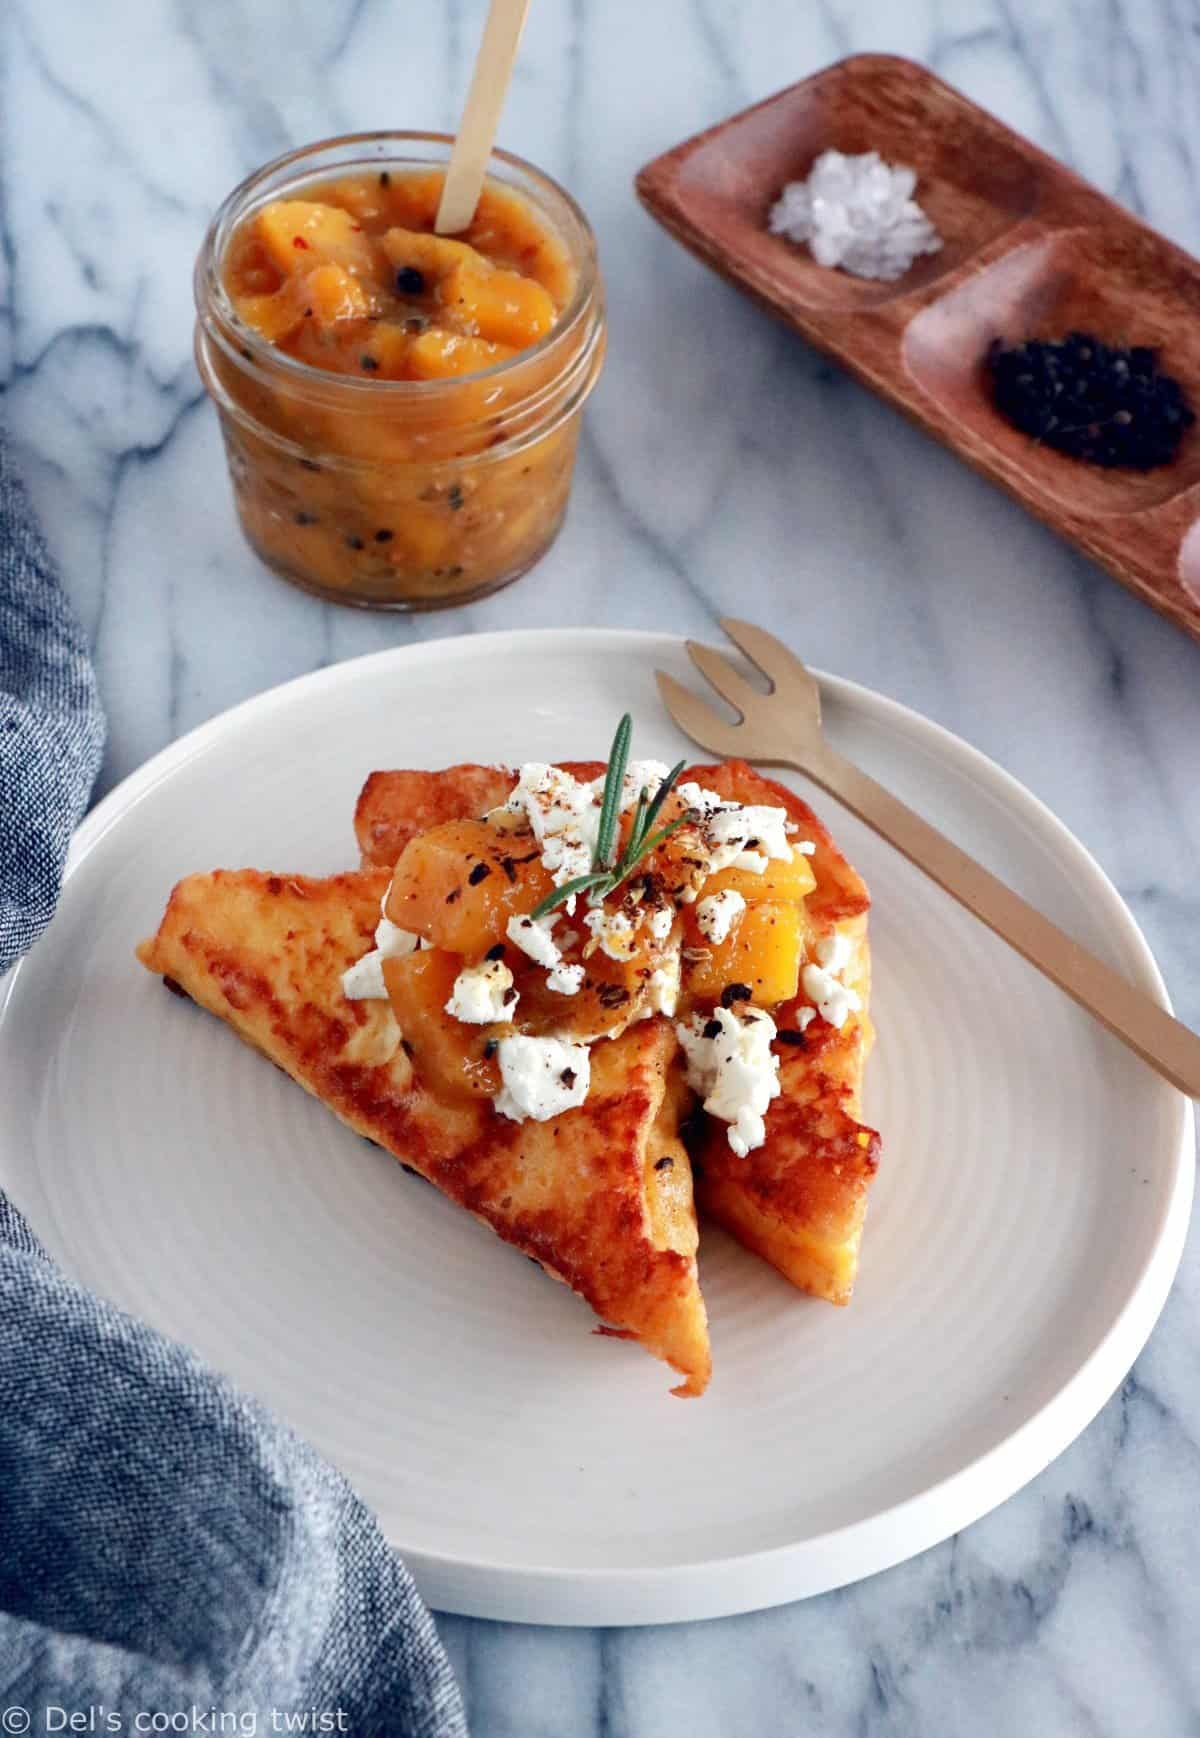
{"x":724,"y":466}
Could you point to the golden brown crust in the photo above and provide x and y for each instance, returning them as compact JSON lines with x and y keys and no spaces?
{"x":266,"y":953}
{"x":393,"y":807}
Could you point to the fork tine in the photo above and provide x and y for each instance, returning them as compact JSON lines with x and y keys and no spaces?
{"x":773,"y":658}
{"x":727,"y":681}
{"x":695,"y":718}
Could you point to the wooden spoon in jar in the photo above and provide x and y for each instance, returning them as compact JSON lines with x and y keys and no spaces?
{"x":481,"y":116}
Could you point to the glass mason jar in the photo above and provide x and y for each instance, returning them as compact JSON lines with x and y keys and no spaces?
{"x":399,"y":494}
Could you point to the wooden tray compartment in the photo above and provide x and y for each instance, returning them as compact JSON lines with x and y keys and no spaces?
{"x":1029,"y":250}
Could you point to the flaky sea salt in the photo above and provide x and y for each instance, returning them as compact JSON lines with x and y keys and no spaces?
{"x":857,"y":213}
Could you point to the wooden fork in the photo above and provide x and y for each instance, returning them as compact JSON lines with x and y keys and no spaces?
{"x":783,"y":728}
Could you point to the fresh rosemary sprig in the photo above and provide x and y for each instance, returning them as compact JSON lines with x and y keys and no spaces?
{"x":614,"y":785}
{"x":605,"y":874}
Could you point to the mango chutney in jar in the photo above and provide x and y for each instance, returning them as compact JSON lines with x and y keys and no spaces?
{"x":400,"y":409}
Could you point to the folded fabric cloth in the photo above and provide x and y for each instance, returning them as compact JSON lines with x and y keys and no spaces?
{"x":167,"y":1549}
{"x":51,"y":724}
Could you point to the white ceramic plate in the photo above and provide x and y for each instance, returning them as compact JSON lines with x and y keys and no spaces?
{"x":1023,"y":1231}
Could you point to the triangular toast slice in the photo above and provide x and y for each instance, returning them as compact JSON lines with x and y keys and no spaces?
{"x":601,"y":1196}
{"x":800,"y":1199}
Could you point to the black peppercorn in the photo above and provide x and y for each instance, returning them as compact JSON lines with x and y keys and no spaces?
{"x":1093,"y":401}
{"x":410,"y":282}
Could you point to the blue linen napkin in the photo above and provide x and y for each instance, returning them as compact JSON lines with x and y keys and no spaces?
{"x":51,"y":725}
{"x":168,"y":1550}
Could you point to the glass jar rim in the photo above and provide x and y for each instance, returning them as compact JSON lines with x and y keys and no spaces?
{"x":212,"y":298}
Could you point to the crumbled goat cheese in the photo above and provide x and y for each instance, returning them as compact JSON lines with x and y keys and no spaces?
{"x":717,"y":914}
{"x":735,"y":1070}
{"x":363,"y":981}
{"x":857,"y":212}
{"x":747,"y":837}
{"x":614,"y":931}
{"x":704,"y":802}
{"x":542,"y":1077}
{"x":483,"y":994}
{"x":566,"y":980}
{"x":833,"y":951}
{"x":835,"y":1001}
{"x":662,"y":986}
{"x":661,"y":922}
{"x":564,"y":815}
{"x":640,"y":775}
{"x":738,"y":835}
{"x":533,"y":937}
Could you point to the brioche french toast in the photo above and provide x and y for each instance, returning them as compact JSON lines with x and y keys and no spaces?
{"x":557,"y":992}
{"x":601,"y":1196}
{"x":800,"y":1199}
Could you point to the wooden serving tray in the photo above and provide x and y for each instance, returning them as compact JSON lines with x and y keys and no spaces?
{"x":1029,"y":250}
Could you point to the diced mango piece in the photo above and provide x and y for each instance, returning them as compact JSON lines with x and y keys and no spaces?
{"x":414,"y":196}
{"x":435,"y":354}
{"x":299,"y":234}
{"x":272,"y":317}
{"x":459,"y":884}
{"x":333,"y":294}
{"x":779,"y":880}
{"x":434,"y":256}
{"x":505,"y":230}
{"x":764,"y":950}
{"x":322,"y":297}
{"x":447,"y":1055}
{"x":502,"y":307}
{"x":388,"y":345}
